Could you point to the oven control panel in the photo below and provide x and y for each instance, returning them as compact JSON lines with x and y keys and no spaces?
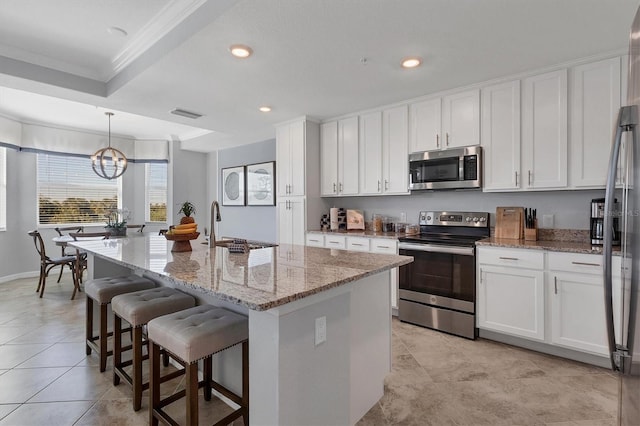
{"x":444,"y":218}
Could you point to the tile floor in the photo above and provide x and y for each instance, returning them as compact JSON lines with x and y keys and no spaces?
{"x":46,"y":378}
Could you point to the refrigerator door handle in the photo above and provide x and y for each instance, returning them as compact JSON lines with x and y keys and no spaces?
{"x":627,"y":121}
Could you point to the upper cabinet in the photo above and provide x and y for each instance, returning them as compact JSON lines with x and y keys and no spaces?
{"x":544,"y":130}
{"x":290,"y":155}
{"x":595,"y":101}
{"x":447,"y":122}
{"x":339,"y":156}
{"x":501,"y":136}
{"x":395,"y":155}
{"x":371,"y":153}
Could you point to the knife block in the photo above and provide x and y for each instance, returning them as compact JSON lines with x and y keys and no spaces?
{"x":531,"y":234}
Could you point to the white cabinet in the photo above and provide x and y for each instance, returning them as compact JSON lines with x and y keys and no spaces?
{"x":291,"y":220}
{"x":290,"y":155}
{"x":315,"y":240}
{"x":335,"y":242}
{"x":339,"y":157}
{"x":544,"y":130}
{"x":511,"y":300}
{"x":395,"y":150}
{"x":358,"y":244}
{"x":501,"y":136}
{"x":448,"y":122}
{"x":371,"y":153}
{"x":388,"y":246}
{"x":595,"y":101}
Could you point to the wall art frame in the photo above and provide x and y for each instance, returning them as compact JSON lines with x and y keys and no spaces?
{"x":233,"y":186}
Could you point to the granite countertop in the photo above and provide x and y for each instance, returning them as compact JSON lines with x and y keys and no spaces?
{"x":259,"y":280}
{"x":360,"y":233}
{"x":552,"y":245}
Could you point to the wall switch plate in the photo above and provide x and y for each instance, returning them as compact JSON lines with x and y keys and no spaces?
{"x":547,"y":221}
{"x":321,"y":330}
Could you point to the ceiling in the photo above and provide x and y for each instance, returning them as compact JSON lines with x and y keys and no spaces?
{"x":317,"y":58}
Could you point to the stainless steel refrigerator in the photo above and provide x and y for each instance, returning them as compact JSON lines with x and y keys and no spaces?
{"x":625,"y":154}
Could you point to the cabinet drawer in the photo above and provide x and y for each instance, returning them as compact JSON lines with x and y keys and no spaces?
{"x":335,"y":242}
{"x":530,"y":259}
{"x":315,"y":240}
{"x":576,"y":262}
{"x":358,"y":244}
{"x":384,"y":246}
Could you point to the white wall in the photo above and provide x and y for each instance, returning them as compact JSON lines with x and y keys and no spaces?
{"x":250,"y":222}
{"x":189,"y":184}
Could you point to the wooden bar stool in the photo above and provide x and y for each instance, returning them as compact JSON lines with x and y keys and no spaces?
{"x":191,"y":335}
{"x":102,"y":290}
{"x":138,"y":308}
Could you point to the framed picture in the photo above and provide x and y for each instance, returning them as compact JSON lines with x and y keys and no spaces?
{"x":261,"y":184}
{"x":233,"y":186}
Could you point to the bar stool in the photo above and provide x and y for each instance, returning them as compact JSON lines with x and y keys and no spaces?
{"x":191,"y":335}
{"x":138,"y":308}
{"x":102,"y":290}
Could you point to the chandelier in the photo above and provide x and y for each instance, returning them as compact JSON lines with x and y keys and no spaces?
{"x":109,"y":163}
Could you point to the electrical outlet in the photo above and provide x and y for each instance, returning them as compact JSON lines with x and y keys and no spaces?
{"x":321,"y":330}
{"x":547,"y":221}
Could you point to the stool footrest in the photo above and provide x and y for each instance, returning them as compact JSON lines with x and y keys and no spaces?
{"x":226,"y":392}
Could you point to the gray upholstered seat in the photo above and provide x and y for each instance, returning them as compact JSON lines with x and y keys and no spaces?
{"x":102,"y":290}
{"x":198,"y":332}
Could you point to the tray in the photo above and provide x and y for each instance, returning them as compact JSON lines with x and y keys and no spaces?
{"x":181,"y":241}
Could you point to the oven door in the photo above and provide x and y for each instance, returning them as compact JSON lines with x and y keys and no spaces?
{"x":439,"y":275}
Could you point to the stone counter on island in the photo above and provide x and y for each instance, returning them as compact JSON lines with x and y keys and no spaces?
{"x":283,"y":290}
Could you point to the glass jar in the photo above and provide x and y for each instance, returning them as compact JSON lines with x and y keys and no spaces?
{"x":376,"y":223}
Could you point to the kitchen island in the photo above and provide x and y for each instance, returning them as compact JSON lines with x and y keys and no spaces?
{"x":293,"y":296}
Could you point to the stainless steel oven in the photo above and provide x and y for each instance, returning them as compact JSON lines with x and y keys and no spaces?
{"x":438,"y":290}
{"x":457,"y":168}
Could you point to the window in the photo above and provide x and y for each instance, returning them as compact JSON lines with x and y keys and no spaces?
{"x":70,"y":192}
{"x":156,"y":192}
{"x":3,"y":188}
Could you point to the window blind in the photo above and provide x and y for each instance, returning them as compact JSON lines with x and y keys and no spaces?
{"x":3,"y":188}
{"x":156,"y":192}
{"x":70,"y":192}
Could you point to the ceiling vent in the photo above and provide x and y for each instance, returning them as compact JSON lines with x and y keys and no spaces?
{"x":185,"y":113}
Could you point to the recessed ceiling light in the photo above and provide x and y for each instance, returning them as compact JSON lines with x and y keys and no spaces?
{"x":411,"y":62}
{"x":265,"y":108}
{"x":117,"y":31}
{"x":240,"y":50}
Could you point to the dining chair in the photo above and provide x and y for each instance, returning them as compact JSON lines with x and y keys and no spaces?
{"x":138,"y":227}
{"x":81,"y":264}
{"x":61,"y":232}
{"x":47,"y":263}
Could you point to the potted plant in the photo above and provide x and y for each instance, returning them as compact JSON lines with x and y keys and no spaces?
{"x":117,"y":222}
{"x":187,"y":209}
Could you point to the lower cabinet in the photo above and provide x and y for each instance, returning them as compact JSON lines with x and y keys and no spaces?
{"x":291,"y":220}
{"x":511,"y":300}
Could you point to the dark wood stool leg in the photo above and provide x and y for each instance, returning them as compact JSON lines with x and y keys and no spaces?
{"x":165,"y":359}
{"x":191,"y":372}
{"x":103,"y":338}
{"x":154,"y":381}
{"x":137,"y":368}
{"x":89,"y":324}
{"x":208,"y":376}
{"x":245,"y":382}
{"x":117,"y":347}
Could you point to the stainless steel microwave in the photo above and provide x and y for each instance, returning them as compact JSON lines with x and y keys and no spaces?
{"x":457,"y":168}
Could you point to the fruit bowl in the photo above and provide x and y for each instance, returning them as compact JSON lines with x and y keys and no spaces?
{"x":181,"y":241}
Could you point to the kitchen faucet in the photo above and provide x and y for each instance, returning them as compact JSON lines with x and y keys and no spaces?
{"x":215,"y":207}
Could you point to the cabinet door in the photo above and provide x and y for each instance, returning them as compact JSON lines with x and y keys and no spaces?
{"x":425,"y":118}
{"x":461,"y":119}
{"x":297,"y":160}
{"x":595,"y":101}
{"x":329,"y":158}
{"x":284,"y":222}
{"x":544,"y":130}
{"x":577,"y":318}
{"x":283,"y":158}
{"x":297,"y":216}
{"x":395,"y":147}
{"x":348,"y":156}
{"x":501,"y":136}
{"x":315,"y":240}
{"x":511,"y":301}
{"x":371,"y":153}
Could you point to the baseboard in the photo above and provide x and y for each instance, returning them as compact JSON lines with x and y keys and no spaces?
{"x":30,"y":274}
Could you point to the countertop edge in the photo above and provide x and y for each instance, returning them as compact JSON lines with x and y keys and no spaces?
{"x":557,"y":246}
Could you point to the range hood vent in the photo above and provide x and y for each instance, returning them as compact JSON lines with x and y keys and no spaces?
{"x":185,"y":113}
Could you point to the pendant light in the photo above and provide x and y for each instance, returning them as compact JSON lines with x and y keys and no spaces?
{"x":109,"y":163}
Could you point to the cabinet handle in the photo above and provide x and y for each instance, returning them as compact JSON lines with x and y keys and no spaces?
{"x":356,"y":244}
{"x":555,"y":285}
{"x":586,"y":264}
{"x":383,"y":247}
{"x":333,"y":242}
{"x":447,"y":138}
{"x":386,"y":185}
{"x":437,"y":140}
{"x":378,"y":186}
{"x":341,"y":187}
{"x":334,"y":187}
{"x":508,"y":258}
{"x":529,"y":177}
{"x":516,"y":179}
{"x":290,"y":189}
